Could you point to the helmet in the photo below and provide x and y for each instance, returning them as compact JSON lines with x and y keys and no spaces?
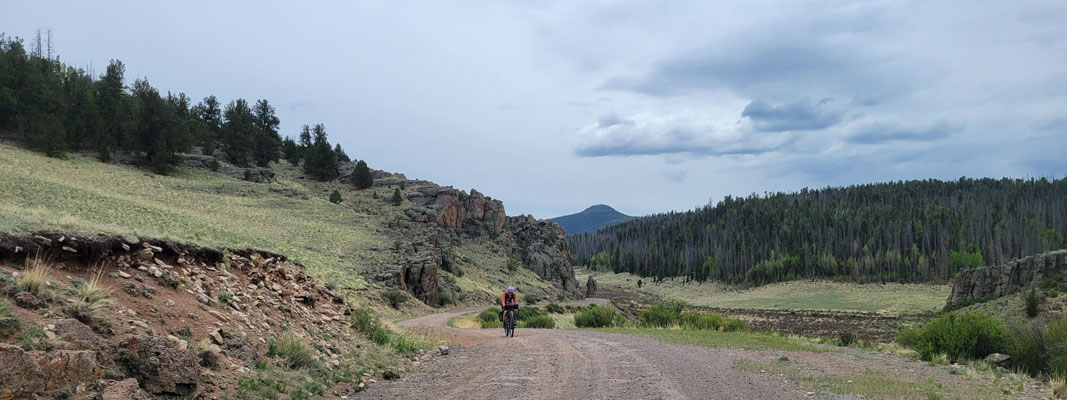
{"x":511,"y":289}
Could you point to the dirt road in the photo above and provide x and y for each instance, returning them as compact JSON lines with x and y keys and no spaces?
{"x":566,"y":364}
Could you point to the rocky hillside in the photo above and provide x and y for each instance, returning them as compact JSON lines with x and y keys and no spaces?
{"x":991,"y":282}
{"x":126,"y":318}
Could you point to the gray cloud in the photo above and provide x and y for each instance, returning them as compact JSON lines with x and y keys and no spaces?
{"x":802,"y":115}
{"x":823,"y":56}
{"x":682,"y":133}
{"x":882,"y":132}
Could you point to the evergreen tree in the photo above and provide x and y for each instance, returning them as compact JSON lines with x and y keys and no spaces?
{"x":397,"y":197}
{"x":291,"y":151}
{"x":268,"y":142}
{"x":158,"y":133}
{"x":209,"y":124}
{"x":341,"y":156}
{"x":319,"y":160}
{"x":305,"y":137}
{"x":361,"y":176}
{"x":115,"y":108}
{"x":239,"y":132}
{"x":335,"y":197}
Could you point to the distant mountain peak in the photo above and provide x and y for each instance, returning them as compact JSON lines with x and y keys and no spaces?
{"x":592,"y":218}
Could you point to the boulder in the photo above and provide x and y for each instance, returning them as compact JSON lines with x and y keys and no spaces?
{"x":26,"y":374}
{"x":127,"y":389}
{"x":1000,"y":360}
{"x":160,"y":365}
{"x":27,"y":300}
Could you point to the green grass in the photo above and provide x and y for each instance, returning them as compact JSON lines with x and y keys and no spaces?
{"x":733,"y":340}
{"x":869,"y":383}
{"x":210,"y":209}
{"x":891,"y":298}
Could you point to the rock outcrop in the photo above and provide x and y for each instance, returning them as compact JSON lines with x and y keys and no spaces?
{"x":27,"y":373}
{"x":160,"y":365}
{"x":542,"y":247}
{"x":446,"y":207}
{"x":996,"y":281}
{"x":590,"y":287}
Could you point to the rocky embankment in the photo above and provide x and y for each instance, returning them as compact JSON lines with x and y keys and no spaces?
{"x":442,"y":218}
{"x":176,"y":320}
{"x":1001,"y":280}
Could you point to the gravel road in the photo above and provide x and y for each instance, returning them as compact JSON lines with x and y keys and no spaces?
{"x":567,"y":364}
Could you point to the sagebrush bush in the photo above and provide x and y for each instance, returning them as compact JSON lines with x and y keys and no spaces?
{"x":540,"y":322}
{"x":291,"y":350}
{"x":395,"y":297}
{"x":968,"y":335}
{"x":594,"y":317}
{"x":554,"y":308}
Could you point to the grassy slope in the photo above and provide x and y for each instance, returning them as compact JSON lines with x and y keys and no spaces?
{"x":335,"y":242}
{"x":799,"y":295}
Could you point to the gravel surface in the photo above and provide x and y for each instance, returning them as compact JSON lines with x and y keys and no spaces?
{"x":567,"y":364}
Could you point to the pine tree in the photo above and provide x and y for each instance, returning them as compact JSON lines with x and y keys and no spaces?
{"x":114,"y":109}
{"x":397,"y":197}
{"x":361,"y":176}
{"x":268,"y":142}
{"x":291,"y":151}
{"x":319,"y":160}
{"x":239,"y":132}
{"x":335,"y":197}
{"x":341,"y":156}
{"x":209,"y":125}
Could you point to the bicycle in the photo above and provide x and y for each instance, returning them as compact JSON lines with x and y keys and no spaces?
{"x":509,"y":322}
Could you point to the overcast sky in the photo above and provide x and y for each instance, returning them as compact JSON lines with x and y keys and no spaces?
{"x":645,"y":106}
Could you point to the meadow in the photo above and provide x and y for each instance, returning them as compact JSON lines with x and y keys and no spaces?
{"x":889,"y":298}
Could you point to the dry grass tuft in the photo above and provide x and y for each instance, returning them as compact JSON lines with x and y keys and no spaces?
{"x":1059,"y":387}
{"x":35,"y":278}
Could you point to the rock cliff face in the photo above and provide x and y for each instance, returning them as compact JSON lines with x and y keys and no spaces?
{"x":442,"y":217}
{"x":542,"y":246}
{"x":1001,"y":280}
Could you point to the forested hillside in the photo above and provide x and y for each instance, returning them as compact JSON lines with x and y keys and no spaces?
{"x":55,"y":108}
{"x":914,"y":231}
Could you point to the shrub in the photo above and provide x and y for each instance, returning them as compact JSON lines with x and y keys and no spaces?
{"x":662,"y":315}
{"x":971,"y":335}
{"x":443,"y":299}
{"x":335,"y":197}
{"x":405,"y":345}
{"x":363,"y":321}
{"x":540,"y":322}
{"x":225,"y":298}
{"x":1041,"y":349}
{"x":529,"y":299}
{"x":594,"y":317}
{"x":397,"y":197}
{"x":846,"y":338}
{"x":491,"y":324}
{"x":489,"y":315}
{"x":1032,"y":301}
{"x":525,"y":313}
{"x":909,"y":337}
{"x":395,"y":297}
{"x":694,"y":320}
{"x":8,"y":322}
{"x":291,"y":350}
{"x":379,"y":336}
{"x":553,"y":308}
{"x":734,"y":325}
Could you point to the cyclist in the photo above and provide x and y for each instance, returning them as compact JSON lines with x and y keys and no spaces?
{"x":508,"y":301}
